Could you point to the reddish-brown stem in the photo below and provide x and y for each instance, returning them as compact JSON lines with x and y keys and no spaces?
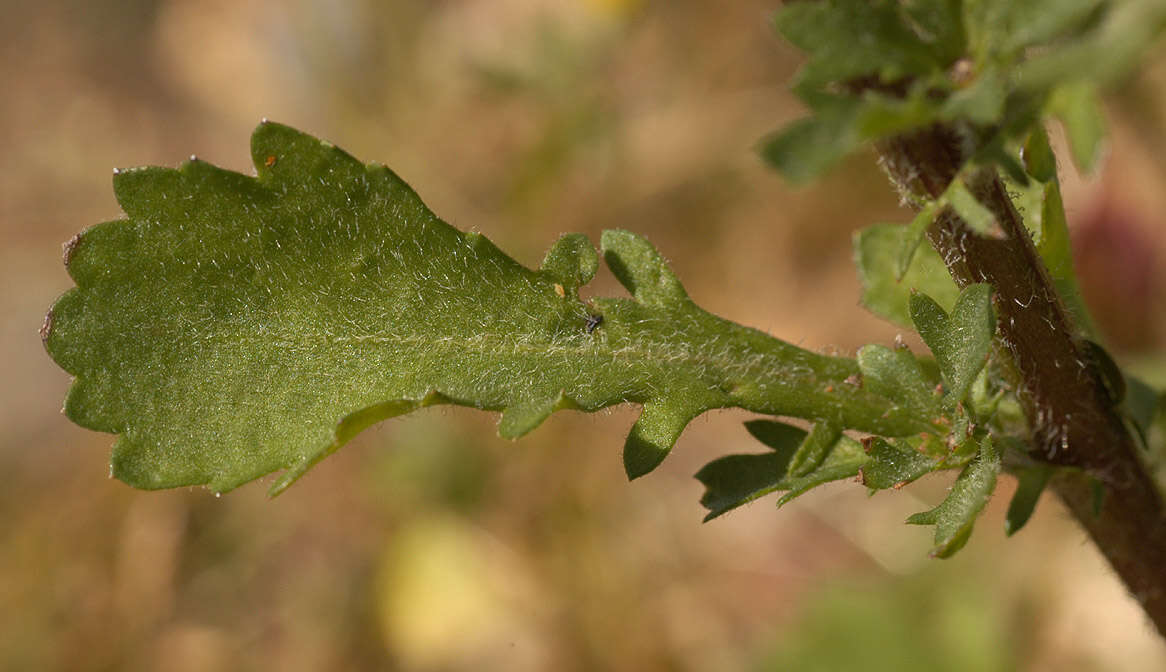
{"x":1072,"y":417}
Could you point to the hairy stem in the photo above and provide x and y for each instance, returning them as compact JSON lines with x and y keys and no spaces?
{"x":1072,"y":418}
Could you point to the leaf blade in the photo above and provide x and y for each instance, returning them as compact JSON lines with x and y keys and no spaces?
{"x":231,"y":326}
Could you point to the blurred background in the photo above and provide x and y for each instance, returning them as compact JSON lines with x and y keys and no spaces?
{"x":429,"y":543}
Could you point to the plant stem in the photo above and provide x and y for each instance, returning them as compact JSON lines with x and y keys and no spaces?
{"x":1072,"y":418}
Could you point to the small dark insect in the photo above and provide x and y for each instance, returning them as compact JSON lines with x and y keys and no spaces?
{"x":593,"y":322}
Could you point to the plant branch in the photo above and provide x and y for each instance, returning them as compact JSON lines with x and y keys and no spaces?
{"x":1072,"y":419}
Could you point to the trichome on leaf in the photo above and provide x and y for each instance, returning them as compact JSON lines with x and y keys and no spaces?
{"x":231,"y":326}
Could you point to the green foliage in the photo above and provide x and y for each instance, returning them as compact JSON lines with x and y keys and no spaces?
{"x":994,"y":68}
{"x":954,"y":517}
{"x":734,"y":480}
{"x":1031,"y":482}
{"x":961,"y":341}
{"x":232,"y":326}
{"x":882,"y":247}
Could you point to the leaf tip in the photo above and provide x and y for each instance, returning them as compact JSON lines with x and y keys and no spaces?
{"x":641,"y":457}
{"x":572,"y":261}
{"x":641,"y":269}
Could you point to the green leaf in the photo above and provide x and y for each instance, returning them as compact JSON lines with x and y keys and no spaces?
{"x":896,"y":374}
{"x":878,"y":250}
{"x":1079,"y":109}
{"x":981,"y":102}
{"x":961,"y":342}
{"x":1002,"y":29}
{"x":1106,"y":46}
{"x":734,"y":480}
{"x":572,"y":261}
{"x":1044,"y":216}
{"x":892,"y":466}
{"x":941,"y":24}
{"x":956,"y":515}
{"x":814,"y":448}
{"x":809,"y":147}
{"x":881,"y":116}
{"x":1039,"y":159}
{"x":1031,"y":482}
{"x":844,"y":462}
{"x":232,"y":326}
{"x":1055,"y":247}
{"x":913,"y":236}
{"x":847,"y":39}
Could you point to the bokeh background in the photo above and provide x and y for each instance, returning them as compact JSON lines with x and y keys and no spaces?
{"x":429,"y":543}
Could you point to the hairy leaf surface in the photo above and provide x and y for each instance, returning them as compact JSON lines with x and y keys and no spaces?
{"x":956,"y":515}
{"x":231,"y":326}
{"x":960,"y":341}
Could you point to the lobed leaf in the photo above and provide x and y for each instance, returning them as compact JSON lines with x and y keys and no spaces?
{"x":960,"y":342}
{"x":892,"y":466}
{"x":991,"y":69}
{"x":734,"y":480}
{"x":231,"y":326}
{"x":956,"y":515}
{"x":814,"y":448}
{"x":808,"y":147}
{"x":846,"y":39}
{"x":878,"y":250}
{"x":898,"y":374}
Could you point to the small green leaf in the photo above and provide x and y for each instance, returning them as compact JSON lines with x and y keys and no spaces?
{"x":878,"y":250}
{"x":913,"y":236}
{"x":1054,"y":244}
{"x":1031,"y":482}
{"x":1079,"y":109}
{"x":956,"y":515}
{"x":897,"y":375}
{"x":892,"y":466}
{"x":846,"y":39}
{"x":777,"y":435}
{"x":941,"y":24}
{"x":572,"y":260}
{"x":1039,"y":159}
{"x":844,"y":462}
{"x":961,"y":342}
{"x":642,"y":271}
{"x":653,"y":436}
{"x":232,"y":326}
{"x":734,"y":480}
{"x":1106,"y":46}
{"x":814,"y":448}
{"x":882,"y":116}
{"x":981,"y":102}
{"x":808,"y":147}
